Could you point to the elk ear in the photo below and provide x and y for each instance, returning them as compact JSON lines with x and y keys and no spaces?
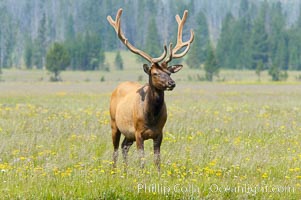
{"x":174,"y":68}
{"x":146,"y":68}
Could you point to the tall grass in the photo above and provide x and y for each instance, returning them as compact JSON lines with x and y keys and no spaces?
{"x":221,"y":141}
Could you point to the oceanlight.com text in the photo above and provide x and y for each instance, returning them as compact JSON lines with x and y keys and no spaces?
{"x":249,"y":189}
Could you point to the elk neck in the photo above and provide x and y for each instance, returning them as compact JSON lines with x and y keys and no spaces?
{"x":154,"y":102}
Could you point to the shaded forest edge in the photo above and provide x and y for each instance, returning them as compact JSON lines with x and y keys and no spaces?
{"x":255,"y":35}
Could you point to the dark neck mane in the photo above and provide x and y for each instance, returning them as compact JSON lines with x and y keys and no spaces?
{"x":154,"y":102}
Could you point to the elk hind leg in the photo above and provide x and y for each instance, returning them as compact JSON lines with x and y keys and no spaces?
{"x":116,"y":139}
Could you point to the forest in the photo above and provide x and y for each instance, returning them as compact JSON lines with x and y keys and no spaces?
{"x":243,"y":34}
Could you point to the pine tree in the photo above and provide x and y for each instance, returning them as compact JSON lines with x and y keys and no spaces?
{"x":224,"y":45}
{"x":86,"y":52}
{"x":274,"y":72}
{"x":7,"y":38}
{"x":294,"y":45}
{"x":241,"y":35}
{"x":69,"y":30}
{"x":243,"y":8}
{"x":259,"y":69}
{"x":93,"y":45}
{"x":259,"y":40}
{"x":277,"y":74}
{"x":70,"y":40}
{"x":152,"y":45}
{"x":118,"y":61}
{"x":198,"y":54}
{"x":110,"y":43}
{"x":278,"y":41}
{"x":294,"y":48}
{"x":28,"y":53}
{"x":211,"y":67}
{"x":40,"y":44}
{"x":233,"y":48}
{"x":241,"y":44}
{"x":57,"y":60}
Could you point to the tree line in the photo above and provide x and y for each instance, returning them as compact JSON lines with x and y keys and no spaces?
{"x":257,"y":35}
{"x":259,"y":38}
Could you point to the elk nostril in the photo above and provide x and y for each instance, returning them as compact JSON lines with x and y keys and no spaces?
{"x":171,"y":83}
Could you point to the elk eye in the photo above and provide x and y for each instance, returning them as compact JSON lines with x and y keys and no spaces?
{"x":156,"y":74}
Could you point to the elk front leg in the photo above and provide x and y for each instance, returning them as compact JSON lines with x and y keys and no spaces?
{"x":140,"y":147}
{"x":157,"y":144}
{"x":126,"y":144}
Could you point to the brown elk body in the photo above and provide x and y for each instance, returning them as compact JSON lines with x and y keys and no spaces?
{"x":139,"y":111}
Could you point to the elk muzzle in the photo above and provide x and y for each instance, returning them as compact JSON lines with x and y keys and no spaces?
{"x":171,"y":85}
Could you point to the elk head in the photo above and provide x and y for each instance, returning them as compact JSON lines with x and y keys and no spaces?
{"x":158,"y":71}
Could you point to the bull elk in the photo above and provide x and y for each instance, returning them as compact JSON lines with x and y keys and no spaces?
{"x":139,"y":111}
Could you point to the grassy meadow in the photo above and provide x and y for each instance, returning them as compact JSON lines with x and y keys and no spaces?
{"x":235,"y":139}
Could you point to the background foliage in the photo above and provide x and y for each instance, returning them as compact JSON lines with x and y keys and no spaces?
{"x":244,"y":33}
{"x":57,"y":59}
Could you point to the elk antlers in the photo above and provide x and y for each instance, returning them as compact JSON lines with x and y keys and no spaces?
{"x":116,"y":25}
{"x":180,"y":44}
{"x":172,"y":52}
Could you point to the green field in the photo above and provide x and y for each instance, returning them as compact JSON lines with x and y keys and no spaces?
{"x":224,"y":140}
{"x":56,"y":143}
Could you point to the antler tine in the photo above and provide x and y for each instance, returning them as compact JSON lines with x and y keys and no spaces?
{"x":180,"y":43}
{"x":116,"y":26}
{"x":159,"y":59}
{"x":188,"y":43}
{"x":169,"y":58}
